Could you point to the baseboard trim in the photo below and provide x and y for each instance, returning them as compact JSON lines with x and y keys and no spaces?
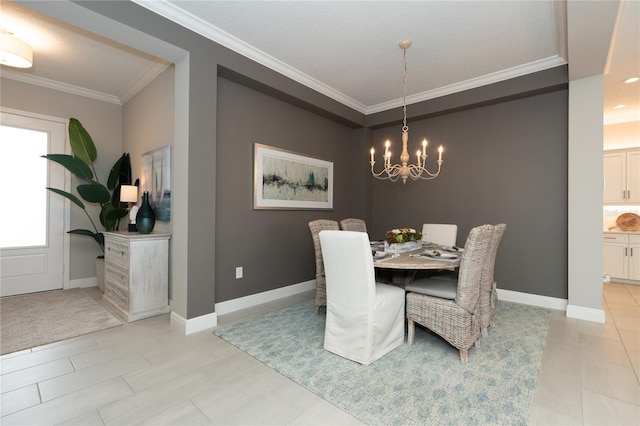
{"x":587,"y":314}
{"x":83,"y":283}
{"x":264,"y":297}
{"x":532,"y":299}
{"x":193,"y":325}
{"x":204,"y":322}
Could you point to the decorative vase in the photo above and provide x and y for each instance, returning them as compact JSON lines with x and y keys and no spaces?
{"x":146,"y":218}
{"x":100,"y":272}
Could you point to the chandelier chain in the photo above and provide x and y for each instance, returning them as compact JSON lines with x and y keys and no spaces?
{"x":404,"y":92}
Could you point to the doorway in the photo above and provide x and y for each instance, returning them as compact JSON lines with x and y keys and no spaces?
{"x":32,"y":219}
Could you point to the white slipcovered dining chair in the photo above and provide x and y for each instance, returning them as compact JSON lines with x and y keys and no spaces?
{"x":440,"y":233}
{"x":365,"y":319}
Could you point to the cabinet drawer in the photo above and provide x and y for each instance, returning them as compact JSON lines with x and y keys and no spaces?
{"x":117,"y":251}
{"x":634,"y":239}
{"x":615,"y":238}
{"x":118,"y":295}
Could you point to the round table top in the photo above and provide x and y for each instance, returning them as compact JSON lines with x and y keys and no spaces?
{"x":408,"y":260}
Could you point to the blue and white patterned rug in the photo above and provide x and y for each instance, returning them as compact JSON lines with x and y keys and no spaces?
{"x":421,"y":384}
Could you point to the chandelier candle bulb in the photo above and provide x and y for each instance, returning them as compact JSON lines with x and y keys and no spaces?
{"x":424,"y":147}
{"x":372,"y":152}
{"x":440,"y":153}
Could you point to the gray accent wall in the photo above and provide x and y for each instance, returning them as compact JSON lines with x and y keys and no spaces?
{"x":502,"y":163}
{"x":274,"y":247}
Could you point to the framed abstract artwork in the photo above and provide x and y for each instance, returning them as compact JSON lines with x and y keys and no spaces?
{"x":286,"y":180}
{"x":156,"y":179}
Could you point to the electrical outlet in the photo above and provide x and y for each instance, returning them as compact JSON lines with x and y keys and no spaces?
{"x":238,"y":272}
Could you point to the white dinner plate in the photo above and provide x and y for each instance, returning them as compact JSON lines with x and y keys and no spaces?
{"x":440,"y":254}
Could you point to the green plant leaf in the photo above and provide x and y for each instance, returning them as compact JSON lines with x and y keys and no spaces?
{"x":94,"y":193}
{"x":71,"y":163}
{"x":116,"y":214}
{"x":110,"y":216}
{"x":71,"y":197}
{"x":81,"y":143}
{"x":114,"y":174}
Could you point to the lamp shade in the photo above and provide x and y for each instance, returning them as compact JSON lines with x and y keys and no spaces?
{"x":14,"y":52}
{"x":129,"y":194}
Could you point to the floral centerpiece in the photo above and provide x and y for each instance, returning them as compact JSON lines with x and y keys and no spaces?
{"x":400,"y":240}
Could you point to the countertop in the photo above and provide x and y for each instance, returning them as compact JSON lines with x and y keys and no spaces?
{"x":620,"y":231}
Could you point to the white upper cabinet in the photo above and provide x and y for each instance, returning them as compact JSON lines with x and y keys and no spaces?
{"x":622,"y":177}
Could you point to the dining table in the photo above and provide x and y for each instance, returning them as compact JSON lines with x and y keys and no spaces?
{"x":404,"y":266}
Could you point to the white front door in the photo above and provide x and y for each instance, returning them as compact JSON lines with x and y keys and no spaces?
{"x":32,"y":219}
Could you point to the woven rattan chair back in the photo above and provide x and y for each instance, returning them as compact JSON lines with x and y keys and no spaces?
{"x":488,"y":293}
{"x":455,"y":320}
{"x":315,"y":227}
{"x":472,"y":265}
{"x":351,"y":224}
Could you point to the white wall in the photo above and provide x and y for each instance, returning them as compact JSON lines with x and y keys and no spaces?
{"x":586,"y":100}
{"x":148,"y":123}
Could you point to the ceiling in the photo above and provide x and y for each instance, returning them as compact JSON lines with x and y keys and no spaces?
{"x":346,"y":50}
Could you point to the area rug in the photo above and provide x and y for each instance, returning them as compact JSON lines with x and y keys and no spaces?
{"x":40,"y":318}
{"x":420,"y":384}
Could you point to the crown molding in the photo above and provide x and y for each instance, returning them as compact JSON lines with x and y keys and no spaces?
{"x":62,"y":87}
{"x":147,"y":77}
{"x":473,"y":83}
{"x":199,"y":26}
{"x":193,"y":23}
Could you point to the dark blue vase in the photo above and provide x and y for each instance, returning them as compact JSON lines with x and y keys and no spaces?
{"x":146,"y":218}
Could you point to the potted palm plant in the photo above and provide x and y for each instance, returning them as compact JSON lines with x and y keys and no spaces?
{"x":91,"y":190}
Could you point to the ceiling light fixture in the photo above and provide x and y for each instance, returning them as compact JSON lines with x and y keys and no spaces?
{"x":14,"y":52}
{"x":405,"y":170}
{"x":619,"y":106}
{"x":631,"y":80}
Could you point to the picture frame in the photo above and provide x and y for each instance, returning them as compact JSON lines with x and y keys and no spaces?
{"x":155,"y":178}
{"x":291,"y":181}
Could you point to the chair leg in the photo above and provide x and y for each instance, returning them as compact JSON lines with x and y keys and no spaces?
{"x":485,"y":332}
{"x":411,"y":331}
{"x":464,"y":356}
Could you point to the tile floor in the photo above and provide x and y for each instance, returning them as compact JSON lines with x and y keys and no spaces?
{"x":148,"y":373}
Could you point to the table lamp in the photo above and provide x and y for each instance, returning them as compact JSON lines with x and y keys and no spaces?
{"x":129,"y":194}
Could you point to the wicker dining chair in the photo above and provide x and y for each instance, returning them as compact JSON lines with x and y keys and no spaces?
{"x":321,"y":285}
{"x":488,"y":293}
{"x":453,"y":312}
{"x":357,"y":225}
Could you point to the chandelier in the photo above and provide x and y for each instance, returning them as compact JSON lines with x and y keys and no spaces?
{"x":404,"y":170}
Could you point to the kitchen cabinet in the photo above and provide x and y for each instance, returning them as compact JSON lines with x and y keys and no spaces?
{"x":621,"y":256}
{"x":634,"y":257}
{"x":621,"y":177}
{"x":136,"y":274}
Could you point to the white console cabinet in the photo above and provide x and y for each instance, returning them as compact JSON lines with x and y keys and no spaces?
{"x":136,"y":274}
